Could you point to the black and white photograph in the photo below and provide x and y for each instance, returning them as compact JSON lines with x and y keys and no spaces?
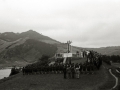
{"x":59,"y":45}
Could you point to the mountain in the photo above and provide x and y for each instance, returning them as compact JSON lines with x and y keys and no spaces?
{"x":28,"y":47}
{"x":34,"y":35}
{"x":28,"y":52}
{"x":10,"y":37}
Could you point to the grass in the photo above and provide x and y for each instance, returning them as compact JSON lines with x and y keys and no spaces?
{"x":55,"y":82}
{"x":109,"y":82}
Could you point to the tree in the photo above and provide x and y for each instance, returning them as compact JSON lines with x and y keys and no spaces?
{"x":44,"y":60}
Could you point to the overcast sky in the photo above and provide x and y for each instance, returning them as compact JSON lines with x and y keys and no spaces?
{"x":87,"y":23}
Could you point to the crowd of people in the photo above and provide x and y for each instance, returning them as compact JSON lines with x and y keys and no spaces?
{"x":38,"y":69}
{"x":74,"y":70}
{"x":70,"y":70}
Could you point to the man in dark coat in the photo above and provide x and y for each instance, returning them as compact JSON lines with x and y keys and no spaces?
{"x":69,"y":71}
{"x":73,"y":71}
{"x":65,"y":71}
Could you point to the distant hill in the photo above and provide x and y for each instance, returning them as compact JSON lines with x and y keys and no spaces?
{"x":113,"y":50}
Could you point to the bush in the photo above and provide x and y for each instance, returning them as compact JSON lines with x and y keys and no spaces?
{"x":44,"y":60}
{"x":14,"y":71}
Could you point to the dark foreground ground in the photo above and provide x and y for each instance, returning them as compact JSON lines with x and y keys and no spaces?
{"x":100,"y":80}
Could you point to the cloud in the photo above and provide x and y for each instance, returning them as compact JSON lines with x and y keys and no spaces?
{"x":88,"y":23}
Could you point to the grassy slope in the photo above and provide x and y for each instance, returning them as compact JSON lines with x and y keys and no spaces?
{"x":109,"y":81}
{"x":56,"y":82}
{"x":28,"y":52}
{"x":6,"y":45}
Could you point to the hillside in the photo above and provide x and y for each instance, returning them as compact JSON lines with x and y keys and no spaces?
{"x":27,"y":47}
{"x":6,"y":45}
{"x":28,"y":52}
{"x":23,"y":48}
{"x":10,"y":39}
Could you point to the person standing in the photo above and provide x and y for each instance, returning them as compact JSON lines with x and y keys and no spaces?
{"x":80,"y":68}
{"x":69,"y":71}
{"x":65,"y":71}
{"x":77,"y":71}
{"x":73,"y":71}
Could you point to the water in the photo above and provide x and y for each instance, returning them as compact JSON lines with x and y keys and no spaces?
{"x":4,"y":73}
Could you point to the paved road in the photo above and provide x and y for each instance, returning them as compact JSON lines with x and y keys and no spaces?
{"x":116,"y":79}
{"x":117,"y":71}
{"x":113,"y":74}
